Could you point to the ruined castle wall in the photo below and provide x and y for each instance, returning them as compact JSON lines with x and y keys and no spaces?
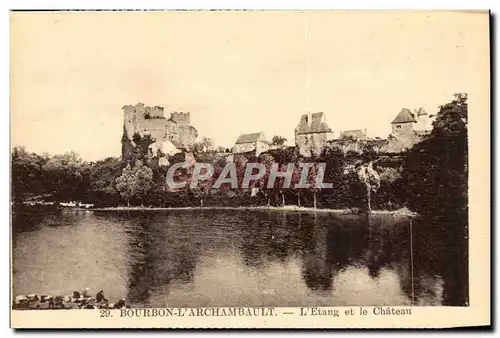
{"x":154,"y":127}
{"x":128,"y":109}
{"x":135,"y":121}
{"x":151,"y":124}
{"x":172,"y":130}
{"x":311,"y":144}
{"x":147,"y":120}
{"x":187,"y":135}
{"x":181,"y":118}
{"x":130,"y":129}
{"x":129,"y":119}
{"x":154,"y":112}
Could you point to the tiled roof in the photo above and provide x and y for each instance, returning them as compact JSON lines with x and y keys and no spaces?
{"x":358,"y":133}
{"x":421,"y":111}
{"x":316,"y":124}
{"x":248,"y":138}
{"x":404,"y":116}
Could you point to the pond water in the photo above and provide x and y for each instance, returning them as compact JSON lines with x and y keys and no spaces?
{"x":202,"y":258}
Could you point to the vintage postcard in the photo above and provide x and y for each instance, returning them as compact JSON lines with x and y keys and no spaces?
{"x":250,"y":169}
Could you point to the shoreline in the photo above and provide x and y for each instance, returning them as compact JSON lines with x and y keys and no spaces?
{"x":399,"y":212}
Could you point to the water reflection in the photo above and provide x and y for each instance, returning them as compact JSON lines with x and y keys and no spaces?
{"x":235,"y":258}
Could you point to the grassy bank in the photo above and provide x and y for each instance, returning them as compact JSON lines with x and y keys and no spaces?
{"x":400,"y":212}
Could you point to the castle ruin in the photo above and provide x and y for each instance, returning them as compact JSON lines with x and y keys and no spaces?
{"x":146,"y":120}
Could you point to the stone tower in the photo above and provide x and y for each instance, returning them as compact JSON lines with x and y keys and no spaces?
{"x":409,"y":128}
{"x":403,"y":123}
{"x":423,"y":122}
{"x":311,"y":134}
{"x":145,"y":120}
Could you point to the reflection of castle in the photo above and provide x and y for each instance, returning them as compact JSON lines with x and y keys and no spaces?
{"x":155,"y":266}
{"x":174,"y":133}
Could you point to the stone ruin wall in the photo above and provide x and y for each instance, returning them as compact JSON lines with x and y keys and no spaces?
{"x":147,"y":120}
{"x":311,"y":144}
{"x":181,"y":118}
{"x":187,"y":135}
{"x":157,"y":128}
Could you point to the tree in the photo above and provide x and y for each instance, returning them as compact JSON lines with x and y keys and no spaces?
{"x":267,"y":160}
{"x":206,"y":145}
{"x":390,"y":186}
{"x":125,"y":183}
{"x":371,"y":180}
{"x":203,"y":188}
{"x":58,"y":177}
{"x":311,"y":180}
{"x":451,"y":119}
{"x":279,"y":185}
{"x":435,"y":170}
{"x":67,"y":176}
{"x":129,"y":153}
{"x":296,"y":175}
{"x":278,"y":141}
{"x":103,"y":174}
{"x":337,"y":174}
{"x":143,"y":180}
{"x":142,"y":144}
{"x":435,"y":177}
{"x":134,"y":182}
{"x":26,"y":173}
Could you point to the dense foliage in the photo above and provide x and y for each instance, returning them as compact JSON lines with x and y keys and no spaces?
{"x":435,"y":182}
{"x":435,"y":170}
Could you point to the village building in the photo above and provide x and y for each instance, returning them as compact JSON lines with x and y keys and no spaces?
{"x":167,"y":147}
{"x":312,"y":134}
{"x":356,"y":134}
{"x":408,"y":128}
{"x":144,"y":120}
{"x":251,"y":144}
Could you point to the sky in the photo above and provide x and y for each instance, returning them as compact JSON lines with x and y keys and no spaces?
{"x":236,"y":72}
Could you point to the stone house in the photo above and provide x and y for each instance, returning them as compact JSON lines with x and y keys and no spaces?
{"x":254,"y":144}
{"x":356,"y":134}
{"x":167,"y":147}
{"x":408,"y":128}
{"x":164,"y":150}
{"x":312,"y":134}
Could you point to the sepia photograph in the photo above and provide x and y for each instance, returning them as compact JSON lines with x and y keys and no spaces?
{"x":234,"y":164}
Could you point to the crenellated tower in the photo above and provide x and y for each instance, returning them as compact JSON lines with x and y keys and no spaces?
{"x":146,"y":120}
